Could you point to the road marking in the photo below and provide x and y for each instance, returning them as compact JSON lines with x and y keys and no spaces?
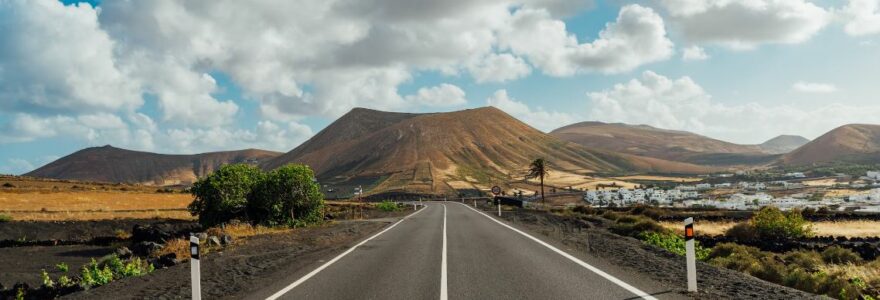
{"x":444,"y":295}
{"x":599,"y":272}
{"x":338,"y":257}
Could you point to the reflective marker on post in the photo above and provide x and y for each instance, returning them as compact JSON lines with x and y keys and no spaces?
{"x":690,"y":255}
{"x":194,"y":267}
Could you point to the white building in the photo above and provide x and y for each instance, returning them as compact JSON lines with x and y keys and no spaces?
{"x":874,"y":175}
{"x":796,"y":175}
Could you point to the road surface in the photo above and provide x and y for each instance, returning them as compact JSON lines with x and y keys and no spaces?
{"x":449,"y":250}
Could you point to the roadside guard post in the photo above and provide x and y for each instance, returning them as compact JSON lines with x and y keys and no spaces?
{"x":691,"y":256}
{"x":497,"y":191}
{"x":194,"y":267}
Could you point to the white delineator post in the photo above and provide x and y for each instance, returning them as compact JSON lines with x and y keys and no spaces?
{"x":690,"y":255}
{"x":194,"y":268}
{"x":499,"y":206}
{"x":475,"y":203}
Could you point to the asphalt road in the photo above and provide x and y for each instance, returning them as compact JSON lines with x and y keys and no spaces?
{"x":450,"y":251}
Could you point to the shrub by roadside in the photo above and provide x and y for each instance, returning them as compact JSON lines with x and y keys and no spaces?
{"x":287,"y":196}
{"x":387,"y":205}
{"x":5,"y":218}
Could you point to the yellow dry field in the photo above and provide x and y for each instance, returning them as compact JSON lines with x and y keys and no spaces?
{"x":460,"y":185}
{"x":841,"y":192}
{"x":93,"y":205}
{"x":839,"y":228}
{"x":659,"y":178}
{"x":820,"y":182}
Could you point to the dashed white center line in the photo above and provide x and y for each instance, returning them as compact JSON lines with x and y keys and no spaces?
{"x":444,"y":295}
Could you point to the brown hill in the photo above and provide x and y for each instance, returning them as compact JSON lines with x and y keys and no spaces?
{"x":783,"y":144}
{"x":109,"y":164}
{"x":664,"y":144}
{"x":440,"y":152}
{"x":856,"y":143}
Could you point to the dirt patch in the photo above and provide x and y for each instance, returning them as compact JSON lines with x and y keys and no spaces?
{"x":590,"y":235}
{"x":236,"y":272}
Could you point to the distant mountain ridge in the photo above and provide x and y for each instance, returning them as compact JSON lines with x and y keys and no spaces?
{"x":110,"y":164}
{"x":783,"y":144}
{"x":854,"y":143}
{"x":439,"y":152}
{"x":674,"y":145}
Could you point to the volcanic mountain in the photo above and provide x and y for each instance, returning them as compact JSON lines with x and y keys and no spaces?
{"x":109,"y":164}
{"x":855,"y":143}
{"x":783,"y":144}
{"x":441,"y":152}
{"x":672,"y":145}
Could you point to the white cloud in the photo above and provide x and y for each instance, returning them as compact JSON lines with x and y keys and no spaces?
{"x":538,"y":118}
{"x":637,"y":37}
{"x":682,"y":104}
{"x":16,"y":166}
{"x":498,"y":68}
{"x":442,"y":95}
{"x":747,"y":24}
{"x":694,"y":53}
{"x":862,"y":17}
{"x":81,"y":72}
{"x":813,"y":87}
{"x":56,"y":58}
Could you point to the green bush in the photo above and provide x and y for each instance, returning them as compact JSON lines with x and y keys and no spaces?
{"x":387,"y":205}
{"x":736,"y":257}
{"x":5,"y":218}
{"x":674,"y":243}
{"x":771,"y":223}
{"x":222,"y":196}
{"x":809,"y":261}
{"x":97,"y":274}
{"x":287,"y":196}
{"x":838,"y":255}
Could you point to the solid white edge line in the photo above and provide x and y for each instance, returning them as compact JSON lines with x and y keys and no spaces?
{"x":599,"y":272}
{"x":338,"y":257}
{"x":444,"y":295}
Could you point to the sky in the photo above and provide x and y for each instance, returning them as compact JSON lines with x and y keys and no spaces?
{"x":184,"y":77}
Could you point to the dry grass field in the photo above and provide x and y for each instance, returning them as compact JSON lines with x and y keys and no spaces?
{"x":93,"y":205}
{"x":38,"y":199}
{"x":840,"y":228}
{"x":659,"y":178}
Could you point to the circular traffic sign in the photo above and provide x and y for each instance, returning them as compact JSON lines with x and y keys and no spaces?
{"x":496,"y":190}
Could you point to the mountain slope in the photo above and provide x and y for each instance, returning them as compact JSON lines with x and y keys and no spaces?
{"x":111,"y":164}
{"x":432,"y":153}
{"x":664,"y":144}
{"x":855,"y":143}
{"x":783,"y":144}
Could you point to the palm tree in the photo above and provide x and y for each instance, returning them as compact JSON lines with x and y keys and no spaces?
{"x":538,"y":169}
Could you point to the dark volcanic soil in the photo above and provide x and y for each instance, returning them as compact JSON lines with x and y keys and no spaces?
{"x":593,"y":238}
{"x":239,"y":270}
{"x":23,"y":264}
{"x":80,"y":231}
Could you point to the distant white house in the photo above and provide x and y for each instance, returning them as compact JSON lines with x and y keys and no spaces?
{"x":723,"y":185}
{"x":874,"y":175}
{"x":795,"y":175}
